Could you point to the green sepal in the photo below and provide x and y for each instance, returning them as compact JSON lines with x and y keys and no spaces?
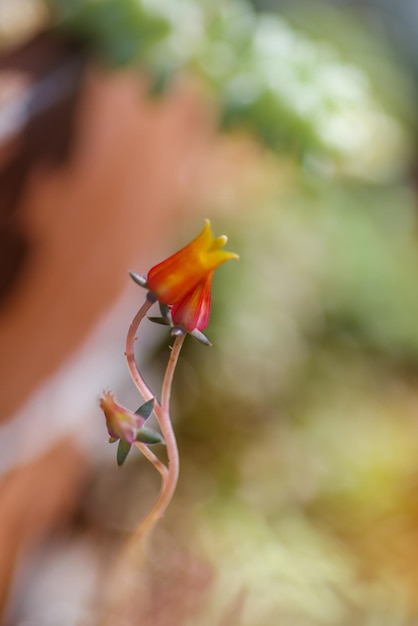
{"x":139,"y":279}
{"x":146,"y":409}
{"x":200,"y":337}
{"x":149,"y":435}
{"x":113,"y":439}
{"x":166,"y":313}
{"x":159,"y":320}
{"x":122,"y":452}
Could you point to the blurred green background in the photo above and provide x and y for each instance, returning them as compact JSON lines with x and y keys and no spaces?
{"x":298,"y":430}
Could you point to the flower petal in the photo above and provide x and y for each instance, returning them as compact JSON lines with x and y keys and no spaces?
{"x":193,"y":311}
{"x":121,"y":422}
{"x":173,"y":279}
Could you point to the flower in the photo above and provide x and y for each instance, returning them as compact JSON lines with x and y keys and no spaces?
{"x":122,"y":423}
{"x":184,"y":280}
{"x":193,"y":311}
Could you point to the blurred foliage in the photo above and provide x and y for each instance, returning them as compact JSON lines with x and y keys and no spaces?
{"x":297,"y":92}
{"x":120,"y":32}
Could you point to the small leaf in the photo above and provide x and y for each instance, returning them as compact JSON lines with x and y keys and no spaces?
{"x":146,"y":409}
{"x":166,"y":313}
{"x":112,"y":439}
{"x":139,"y":279}
{"x":159,"y":320}
{"x":200,"y":337}
{"x":122,"y":452}
{"x":149,"y":435}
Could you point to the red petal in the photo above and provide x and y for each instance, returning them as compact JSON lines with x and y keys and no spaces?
{"x":194,"y":310}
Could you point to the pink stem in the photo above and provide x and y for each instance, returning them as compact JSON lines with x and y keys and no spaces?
{"x":162,"y":412}
{"x":134,"y":553}
{"x":140,"y":383}
{"x":138,"y":379}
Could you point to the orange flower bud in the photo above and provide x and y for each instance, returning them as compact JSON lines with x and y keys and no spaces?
{"x":172,"y":279}
{"x":184,"y":279}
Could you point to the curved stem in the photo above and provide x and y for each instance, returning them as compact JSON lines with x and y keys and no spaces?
{"x":169,"y":373}
{"x":153,"y":458}
{"x":136,"y":375}
{"x":140,"y":383}
{"x":162,"y":412}
{"x":164,"y":420}
{"x":166,"y":426}
{"x":135,"y":551}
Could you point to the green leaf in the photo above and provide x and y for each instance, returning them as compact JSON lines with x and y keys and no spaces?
{"x":123,"y":451}
{"x":120,"y":31}
{"x":149,"y":435}
{"x":112,"y":439}
{"x":165,"y":318}
{"x":146,"y":409}
{"x":159,"y":320}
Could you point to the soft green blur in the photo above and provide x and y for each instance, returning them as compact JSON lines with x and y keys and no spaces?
{"x":298,"y":430}
{"x":298,"y":92}
{"x":304,"y":414}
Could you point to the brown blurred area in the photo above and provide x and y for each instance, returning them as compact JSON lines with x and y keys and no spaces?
{"x":92,"y":183}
